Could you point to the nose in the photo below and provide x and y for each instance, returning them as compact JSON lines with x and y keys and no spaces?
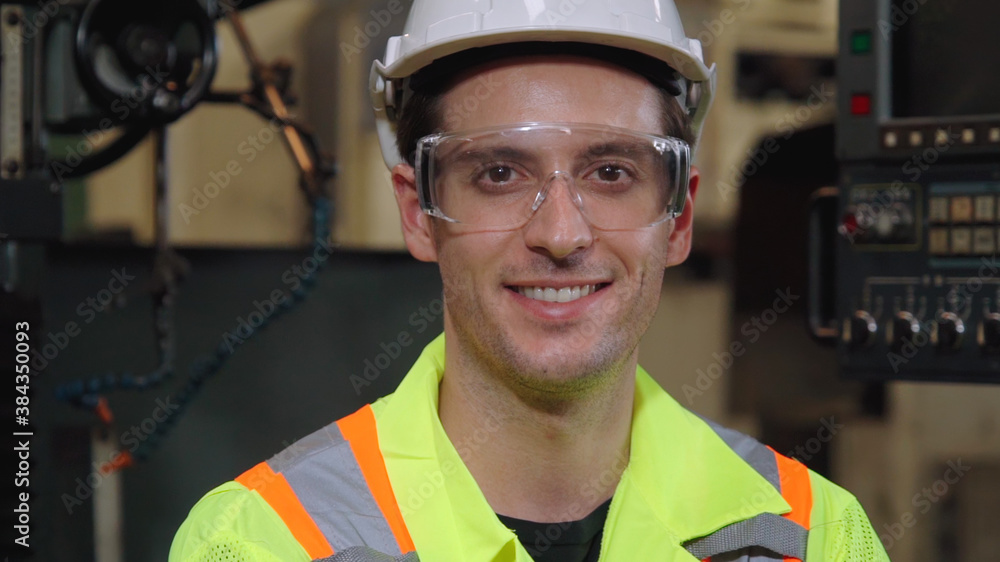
{"x":558,"y":227}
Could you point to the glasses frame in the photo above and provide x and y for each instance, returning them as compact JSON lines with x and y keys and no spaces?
{"x":424,"y":168}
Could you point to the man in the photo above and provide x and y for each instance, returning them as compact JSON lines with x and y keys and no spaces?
{"x":543,"y":162}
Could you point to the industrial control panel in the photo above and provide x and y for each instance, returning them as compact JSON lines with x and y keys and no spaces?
{"x":914,"y":278}
{"x":918,"y":275}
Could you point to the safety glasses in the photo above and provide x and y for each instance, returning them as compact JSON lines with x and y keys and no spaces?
{"x":496,"y":179}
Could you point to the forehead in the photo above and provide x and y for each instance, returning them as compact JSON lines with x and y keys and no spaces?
{"x":551,"y":88}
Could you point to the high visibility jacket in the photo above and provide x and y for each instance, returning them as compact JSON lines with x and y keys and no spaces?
{"x":386,"y":483}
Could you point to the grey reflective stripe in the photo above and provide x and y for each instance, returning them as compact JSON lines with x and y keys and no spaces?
{"x":754,"y":539}
{"x":365,"y":554}
{"x":749,"y":555}
{"x":767,"y":530}
{"x":325,"y":476}
{"x":751,"y":451}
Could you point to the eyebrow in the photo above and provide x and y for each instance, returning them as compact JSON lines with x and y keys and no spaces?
{"x":500,"y":152}
{"x":619,"y":147}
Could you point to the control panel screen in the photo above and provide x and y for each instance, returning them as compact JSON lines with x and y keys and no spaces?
{"x":945,"y":57}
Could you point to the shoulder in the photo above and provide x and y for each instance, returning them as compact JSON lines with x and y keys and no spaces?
{"x":839,"y":529}
{"x":267,"y":512}
{"x":239,"y":517}
{"x":233,"y":522}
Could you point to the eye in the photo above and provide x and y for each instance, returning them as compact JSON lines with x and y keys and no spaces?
{"x":498,"y":178}
{"x":499,"y":174}
{"x":610,"y":173}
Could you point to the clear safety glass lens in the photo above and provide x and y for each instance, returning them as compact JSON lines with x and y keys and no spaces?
{"x":497,"y":179}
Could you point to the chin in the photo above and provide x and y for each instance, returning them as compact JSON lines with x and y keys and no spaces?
{"x":563,"y":371}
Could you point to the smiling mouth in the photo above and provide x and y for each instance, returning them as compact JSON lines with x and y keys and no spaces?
{"x":561,"y":295}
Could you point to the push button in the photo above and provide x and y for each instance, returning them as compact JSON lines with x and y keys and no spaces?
{"x":961,"y":209}
{"x":986,"y":206}
{"x":984,"y":241}
{"x":939,"y":241}
{"x":861,"y":104}
{"x":961,"y":241}
{"x":861,"y":42}
{"x":939,"y":210}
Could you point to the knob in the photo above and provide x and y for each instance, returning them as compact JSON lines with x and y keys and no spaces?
{"x":903,"y":329}
{"x":857,"y":224}
{"x":895,"y":223}
{"x":989,"y":333}
{"x":861,"y":329}
{"x":949,"y":332}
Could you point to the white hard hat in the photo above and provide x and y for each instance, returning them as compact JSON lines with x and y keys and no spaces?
{"x":438,"y":28}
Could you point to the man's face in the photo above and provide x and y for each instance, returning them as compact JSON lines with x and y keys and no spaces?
{"x":491,"y":326}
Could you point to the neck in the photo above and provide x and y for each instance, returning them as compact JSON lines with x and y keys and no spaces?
{"x":536,"y":457}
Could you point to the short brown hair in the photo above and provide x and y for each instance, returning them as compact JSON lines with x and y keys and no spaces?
{"x":421,"y":116}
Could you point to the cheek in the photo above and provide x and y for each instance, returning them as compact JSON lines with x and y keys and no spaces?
{"x":468,"y":261}
{"x":661,"y":248}
{"x":644,"y":253}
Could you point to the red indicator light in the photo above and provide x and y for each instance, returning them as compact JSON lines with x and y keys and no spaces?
{"x":861,"y":104}
{"x":849,"y":225}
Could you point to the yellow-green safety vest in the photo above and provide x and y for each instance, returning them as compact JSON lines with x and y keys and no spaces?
{"x":386,"y":483}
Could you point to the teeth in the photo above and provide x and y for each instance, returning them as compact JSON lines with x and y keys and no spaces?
{"x":550,"y":294}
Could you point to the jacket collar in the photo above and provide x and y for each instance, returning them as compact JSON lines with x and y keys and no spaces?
{"x":682,"y":479}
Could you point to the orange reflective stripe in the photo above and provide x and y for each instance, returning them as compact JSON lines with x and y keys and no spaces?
{"x":360,"y":431}
{"x":279,"y":495}
{"x":796,"y":488}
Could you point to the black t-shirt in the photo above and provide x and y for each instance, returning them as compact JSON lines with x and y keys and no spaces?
{"x":573,"y":541}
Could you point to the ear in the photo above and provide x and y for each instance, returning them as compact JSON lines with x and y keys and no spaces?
{"x":417,"y":228}
{"x":679,"y":245}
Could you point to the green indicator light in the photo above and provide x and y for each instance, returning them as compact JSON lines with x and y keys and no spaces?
{"x":861,"y":42}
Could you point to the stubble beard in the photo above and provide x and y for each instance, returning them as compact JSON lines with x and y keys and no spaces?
{"x":580,"y":367}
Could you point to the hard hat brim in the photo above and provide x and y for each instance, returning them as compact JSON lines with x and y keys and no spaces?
{"x":678,"y":57}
